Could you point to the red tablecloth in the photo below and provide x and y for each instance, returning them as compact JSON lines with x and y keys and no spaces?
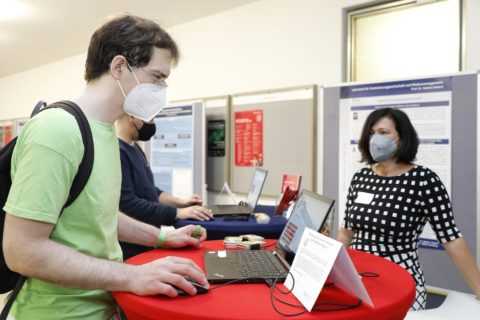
{"x":392,"y":294}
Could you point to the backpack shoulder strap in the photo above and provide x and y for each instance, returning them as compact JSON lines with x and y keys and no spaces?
{"x":86,"y":165}
{"x":11,"y":299}
{"x":40,"y":104}
{"x":79,"y":181}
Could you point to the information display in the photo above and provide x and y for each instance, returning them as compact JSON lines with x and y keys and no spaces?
{"x":249,"y":138}
{"x":175,"y":151}
{"x":275,"y":130}
{"x":6,"y":132}
{"x":428,"y":104}
{"x":459,"y":125}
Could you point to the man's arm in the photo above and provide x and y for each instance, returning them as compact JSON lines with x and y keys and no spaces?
{"x":133,"y":231}
{"x":188,"y":208}
{"x":177,"y":202}
{"x":141,"y":209}
{"x":29,"y":251}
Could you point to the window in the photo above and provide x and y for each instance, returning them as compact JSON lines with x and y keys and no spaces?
{"x":403,"y":39}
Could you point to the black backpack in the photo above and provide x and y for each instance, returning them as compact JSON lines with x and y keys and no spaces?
{"x":10,"y":280}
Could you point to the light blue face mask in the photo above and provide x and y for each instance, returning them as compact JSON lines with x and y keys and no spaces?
{"x":382,"y":147}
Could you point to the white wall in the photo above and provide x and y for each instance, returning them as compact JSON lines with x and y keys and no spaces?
{"x":472,"y":35}
{"x":266,"y":44}
{"x":51,"y":82}
{"x":262,"y":45}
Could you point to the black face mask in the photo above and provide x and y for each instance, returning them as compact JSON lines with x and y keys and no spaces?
{"x":146,"y":131}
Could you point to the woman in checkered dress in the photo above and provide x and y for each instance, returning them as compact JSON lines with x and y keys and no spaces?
{"x":390,"y":201}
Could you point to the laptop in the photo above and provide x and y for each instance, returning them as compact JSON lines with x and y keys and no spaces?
{"x":243,"y":208}
{"x":311,"y":210}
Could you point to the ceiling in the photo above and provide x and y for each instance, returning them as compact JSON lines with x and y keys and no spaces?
{"x":50,"y":30}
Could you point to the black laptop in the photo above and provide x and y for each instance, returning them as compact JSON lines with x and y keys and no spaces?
{"x":311,"y":210}
{"x":244,"y":208}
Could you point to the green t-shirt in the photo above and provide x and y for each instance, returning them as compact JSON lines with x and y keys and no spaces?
{"x":44,"y":163}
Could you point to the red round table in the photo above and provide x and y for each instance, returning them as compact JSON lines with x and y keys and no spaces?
{"x":392,"y":293}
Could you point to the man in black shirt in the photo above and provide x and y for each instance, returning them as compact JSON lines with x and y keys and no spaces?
{"x":140,"y":198}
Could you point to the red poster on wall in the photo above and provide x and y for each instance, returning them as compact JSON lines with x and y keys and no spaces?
{"x":249,"y":138}
{"x":6,"y":135}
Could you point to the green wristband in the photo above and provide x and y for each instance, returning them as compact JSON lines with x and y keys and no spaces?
{"x":161,"y":238}
{"x":198,"y":230}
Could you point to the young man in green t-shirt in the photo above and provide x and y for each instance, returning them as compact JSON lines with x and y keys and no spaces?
{"x":72,"y":261}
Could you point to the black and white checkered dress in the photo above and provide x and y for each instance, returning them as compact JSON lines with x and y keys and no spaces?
{"x":388,"y":214}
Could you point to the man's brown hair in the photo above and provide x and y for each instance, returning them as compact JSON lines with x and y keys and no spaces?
{"x":129,"y":36}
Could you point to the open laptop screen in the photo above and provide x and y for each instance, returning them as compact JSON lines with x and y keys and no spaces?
{"x":256,"y":188}
{"x":311,"y":210}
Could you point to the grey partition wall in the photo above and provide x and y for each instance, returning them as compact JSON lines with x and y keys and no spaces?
{"x":288,"y":137}
{"x":217,"y":137}
{"x":438,"y":268}
{"x":217,"y":113}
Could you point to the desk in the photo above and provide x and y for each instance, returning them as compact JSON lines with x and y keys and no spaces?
{"x":392,"y":294}
{"x":218,"y":228}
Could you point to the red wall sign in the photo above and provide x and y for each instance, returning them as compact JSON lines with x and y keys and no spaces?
{"x":249,"y":138}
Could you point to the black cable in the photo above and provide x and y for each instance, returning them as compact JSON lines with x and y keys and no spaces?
{"x":366,"y":274}
{"x":316,"y":307}
{"x":369,"y":274}
{"x":272,"y":297}
{"x":340,"y":306}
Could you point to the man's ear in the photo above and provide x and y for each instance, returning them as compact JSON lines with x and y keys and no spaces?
{"x":118,"y":64}
{"x":131,"y":120}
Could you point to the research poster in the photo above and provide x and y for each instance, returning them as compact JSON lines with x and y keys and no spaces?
{"x":19,"y":125}
{"x":216,"y":138}
{"x":428,"y":104}
{"x":249,"y":138}
{"x":171,"y":150}
{"x":6,"y":133}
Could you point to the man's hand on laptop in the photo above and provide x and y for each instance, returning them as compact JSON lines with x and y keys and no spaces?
{"x":163,"y":275}
{"x":194,"y":213}
{"x":191,"y":201}
{"x":190,"y":235}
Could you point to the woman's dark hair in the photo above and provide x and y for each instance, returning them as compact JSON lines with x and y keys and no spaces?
{"x":129,"y":36}
{"x":408,"y":139}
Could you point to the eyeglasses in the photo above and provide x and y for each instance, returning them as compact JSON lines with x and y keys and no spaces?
{"x":156,"y":79}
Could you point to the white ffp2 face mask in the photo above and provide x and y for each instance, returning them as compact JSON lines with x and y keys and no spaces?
{"x":145,"y":100}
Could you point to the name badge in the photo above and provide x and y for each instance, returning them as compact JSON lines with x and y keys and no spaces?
{"x":364,"y":198}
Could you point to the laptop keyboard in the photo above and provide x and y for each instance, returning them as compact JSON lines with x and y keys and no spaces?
{"x":258,"y":263}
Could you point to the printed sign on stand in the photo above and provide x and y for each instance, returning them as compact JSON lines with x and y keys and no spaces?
{"x":317,"y":258}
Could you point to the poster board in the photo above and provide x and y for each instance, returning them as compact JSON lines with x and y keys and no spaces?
{"x":176,"y":152}
{"x":10,"y":129}
{"x":428,"y":104}
{"x":6,"y":132}
{"x":217,"y":136}
{"x":274,"y":130}
{"x":19,"y":124}
{"x":217,"y":112}
{"x":438,"y":269}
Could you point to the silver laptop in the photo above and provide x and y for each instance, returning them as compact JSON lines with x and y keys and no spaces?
{"x":311,"y":210}
{"x":244,"y":208}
